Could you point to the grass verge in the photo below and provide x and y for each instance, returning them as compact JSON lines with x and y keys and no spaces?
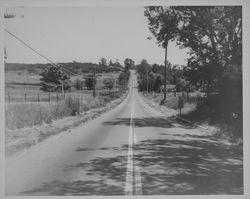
{"x":214,"y":113}
{"x":29,"y":124}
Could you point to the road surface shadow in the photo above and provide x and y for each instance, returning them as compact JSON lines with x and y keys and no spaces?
{"x":122,"y":148}
{"x":104,"y":176}
{"x":160,"y":122}
{"x":196,"y":167}
{"x":187,"y":165}
{"x":75,"y":188}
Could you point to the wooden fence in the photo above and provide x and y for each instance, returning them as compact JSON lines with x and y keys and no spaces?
{"x":26,"y":97}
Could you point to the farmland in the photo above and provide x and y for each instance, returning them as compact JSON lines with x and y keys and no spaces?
{"x":27,"y":105}
{"x":25,"y":87}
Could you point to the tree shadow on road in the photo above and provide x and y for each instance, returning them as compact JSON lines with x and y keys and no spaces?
{"x":160,"y":122}
{"x":105,"y":176}
{"x":75,"y":188}
{"x":194,"y":167}
{"x":122,"y":148}
{"x":186,"y":164}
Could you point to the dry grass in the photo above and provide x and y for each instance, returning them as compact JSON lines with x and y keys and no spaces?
{"x":18,"y":139}
{"x":213,"y":112}
{"x":19,"y":115}
{"x":172,"y":100}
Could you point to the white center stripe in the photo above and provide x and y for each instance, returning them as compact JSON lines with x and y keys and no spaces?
{"x":133,"y":175}
{"x":129,"y":174}
{"x":138,"y":186}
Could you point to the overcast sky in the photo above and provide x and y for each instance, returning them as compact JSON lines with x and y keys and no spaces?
{"x":85,"y":35}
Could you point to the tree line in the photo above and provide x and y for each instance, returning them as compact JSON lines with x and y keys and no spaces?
{"x":213,"y":37}
{"x":53,"y":78}
{"x":213,"y":34}
{"x":151,"y":77}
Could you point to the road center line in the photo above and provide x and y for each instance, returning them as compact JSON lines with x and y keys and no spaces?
{"x":133,"y":176}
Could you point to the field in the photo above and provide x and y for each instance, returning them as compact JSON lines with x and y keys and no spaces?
{"x":30,"y":123}
{"x":24,"y":87}
{"x":32,"y":115}
{"x":27,"y":105}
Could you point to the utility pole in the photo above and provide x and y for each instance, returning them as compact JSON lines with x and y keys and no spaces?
{"x":147,"y":78}
{"x":62,"y":88}
{"x":5,"y":54}
{"x":94,"y":83}
{"x":165,"y":75}
{"x":165,"y":46}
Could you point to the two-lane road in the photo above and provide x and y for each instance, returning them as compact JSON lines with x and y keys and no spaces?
{"x":130,"y":150}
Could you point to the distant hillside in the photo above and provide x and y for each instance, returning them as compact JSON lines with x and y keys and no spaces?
{"x":20,"y":68}
{"x":75,"y":67}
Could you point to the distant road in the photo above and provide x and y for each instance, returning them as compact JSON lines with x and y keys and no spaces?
{"x":130,"y":150}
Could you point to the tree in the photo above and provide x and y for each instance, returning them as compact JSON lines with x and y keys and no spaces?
{"x":146,"y":83}
{"x":53,"y":78}
{"x":163,"y":23}
{"x":117,"y":63}
{"x":108,"y":83}
{"x":5,"y":54}
{"x":78,"y":84}
{"x":158,"y":82}
{"x":128,"y":64}
{"x":156,"y":68}
{"x":123,"y":78}
{"x":110,"y":63}
{"x":144,"y":69}
{"x":103,"y":62}
{"x":90,"y":82}
{"x":212,"y":33}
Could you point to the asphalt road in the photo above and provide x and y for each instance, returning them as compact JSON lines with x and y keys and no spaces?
{"x":130,"y":150}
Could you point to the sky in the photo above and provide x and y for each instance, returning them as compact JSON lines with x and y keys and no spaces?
{"x":84,"y":34}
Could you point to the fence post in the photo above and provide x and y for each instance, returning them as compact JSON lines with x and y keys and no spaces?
{"x":78,"y":105}
{"x":180,"y":103}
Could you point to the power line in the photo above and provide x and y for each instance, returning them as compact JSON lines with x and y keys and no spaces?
{"x":34,"y":50}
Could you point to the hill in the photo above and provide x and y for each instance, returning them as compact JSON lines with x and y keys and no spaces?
{"x":75,"y":67}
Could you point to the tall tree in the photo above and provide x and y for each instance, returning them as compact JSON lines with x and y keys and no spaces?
{"x":128,"y":63}
{"x":90,"y":82}
{"x":103,"y":62}
{"x":163,"y":23}
{"x":53,"y":78}
{"x":212,"y":33}
{"x":145,"y":81}
{"x":110,"y":63}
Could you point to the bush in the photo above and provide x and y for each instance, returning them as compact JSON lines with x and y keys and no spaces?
{"x":72,"y":105}
{"x":221,"y":111}
{"x":90,"y":82}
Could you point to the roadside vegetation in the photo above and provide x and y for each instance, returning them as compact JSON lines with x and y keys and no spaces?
{"x":49,"y":103}
{"x":213,"y":36}
{"x":58,"y":102}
